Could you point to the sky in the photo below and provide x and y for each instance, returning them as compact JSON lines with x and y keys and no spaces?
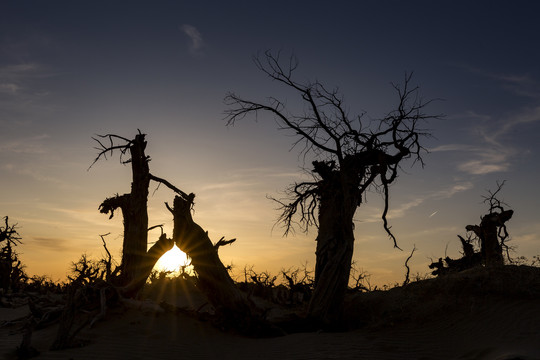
{"x":71,"y":70}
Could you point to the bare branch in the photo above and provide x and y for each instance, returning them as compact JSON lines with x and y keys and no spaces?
{"x":160,"y":226}
{"x":9,"y":233}
{"x":223,"y":242}
{"x":493,"y":201}
{"x":406,"y":281}
{"x":304,"y":203}
{"x":169,"y":185}
{"x":385,"y":212}
{"x":325,"y":130}
{"x":109,"y":149}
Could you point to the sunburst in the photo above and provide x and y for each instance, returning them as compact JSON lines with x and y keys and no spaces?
{"x":172,"y":260}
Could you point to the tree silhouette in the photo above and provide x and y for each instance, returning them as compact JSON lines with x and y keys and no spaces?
{"x":352,"y":155}
{"x":212,"y":276}
{"x":137,"y":262}
{"x":491,"y":235}
{"x":11,"y":268}
{"x":492,"y":232}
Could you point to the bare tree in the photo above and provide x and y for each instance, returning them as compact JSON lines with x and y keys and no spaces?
{"x":491,"y":235}
{"x":213,"y":277}
{"x":11,"y":269}
{"x":137,"y":262}
{"x":352,"y":156}
{"x":492,"y":232}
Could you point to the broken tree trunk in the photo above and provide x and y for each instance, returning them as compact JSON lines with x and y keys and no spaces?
{"x":488,"y":233}
{"x":146,"y":265}
{"x":213,"y":278}
{"x":136,"y":216}
{"x":134,"y":211}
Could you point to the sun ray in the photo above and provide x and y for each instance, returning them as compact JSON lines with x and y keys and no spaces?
{"x":172,"y":260}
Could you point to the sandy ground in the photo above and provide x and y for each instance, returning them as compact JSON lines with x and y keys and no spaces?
{"x":501,"y":331}
{"x":490,"y":327}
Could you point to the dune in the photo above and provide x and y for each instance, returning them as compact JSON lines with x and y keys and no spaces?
{"x":481,"y":314}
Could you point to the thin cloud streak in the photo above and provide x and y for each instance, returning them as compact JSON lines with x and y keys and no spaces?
{"x":401,"y":210}
{"x":520,"y":85}
{"x":14,"y":78}
{"x":498,"y":152}
{"x":11,"y":72}
{"x":246,"y":178}
{"x":197,"y":43}
{"x":28,"y":145}
{"x":50,"y":243}
{"x":481,"y":160}
{"x":524,"y":117}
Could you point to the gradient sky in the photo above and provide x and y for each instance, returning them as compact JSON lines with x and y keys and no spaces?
{"x":70,"y":70}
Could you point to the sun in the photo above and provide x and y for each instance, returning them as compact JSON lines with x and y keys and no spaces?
{"x":172,"y":260}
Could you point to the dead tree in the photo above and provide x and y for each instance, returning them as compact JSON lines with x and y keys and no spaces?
{"x":11,"y":268}
{"x":492,"y":232}
{"x":137,"y":262}
{"x":352,"y":157}
{"x":213,"y":277}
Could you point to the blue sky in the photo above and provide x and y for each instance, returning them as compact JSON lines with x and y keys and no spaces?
{"x":69,"y":70}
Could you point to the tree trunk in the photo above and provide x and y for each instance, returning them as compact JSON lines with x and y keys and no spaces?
{"x":6,"y":266}
{"x":487,"y":232}
{"x":136,"y":214}
{"x":213,"y":278}
{"x":335,"y":245}
{"x":148,"y":262}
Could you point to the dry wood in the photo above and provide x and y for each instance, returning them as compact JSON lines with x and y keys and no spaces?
{"x":213,"y":278}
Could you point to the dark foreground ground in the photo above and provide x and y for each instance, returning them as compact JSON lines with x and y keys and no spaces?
{"x":478,"y":314}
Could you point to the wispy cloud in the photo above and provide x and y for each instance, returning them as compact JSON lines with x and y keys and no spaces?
{"x":50,"y":243}
{"x":23,"y":91}
{"x":400,"y":210}
{"x":496,"y":146}
{"x":436,"y":195}
{"x":9,"y":88}
{"x":227,"y":185}
{"x":18,"y":71}
{"x":519,"y":84}
{"x":525,"y":116}
{"x":253,"y":177}
{"x":12,"y":77}
{"x":196,"y":41}
{"x":480,"y":160}
{"x":28,"y":145}
{"x":452,"y":190}
{"x":478,"y":167}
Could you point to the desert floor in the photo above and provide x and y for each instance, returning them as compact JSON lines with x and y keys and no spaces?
{"x":480,"y":322}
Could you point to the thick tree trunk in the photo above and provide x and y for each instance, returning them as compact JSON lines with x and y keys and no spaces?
{"x":487,"y":232}
{"x":213,"y":277}
{"x":335,"y":246}
{"x":134,"y":212}
{"x":136,"y":215}
{"x":148,"y":262}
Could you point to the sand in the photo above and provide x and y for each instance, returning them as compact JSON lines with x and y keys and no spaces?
{"x":475,"y":327}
